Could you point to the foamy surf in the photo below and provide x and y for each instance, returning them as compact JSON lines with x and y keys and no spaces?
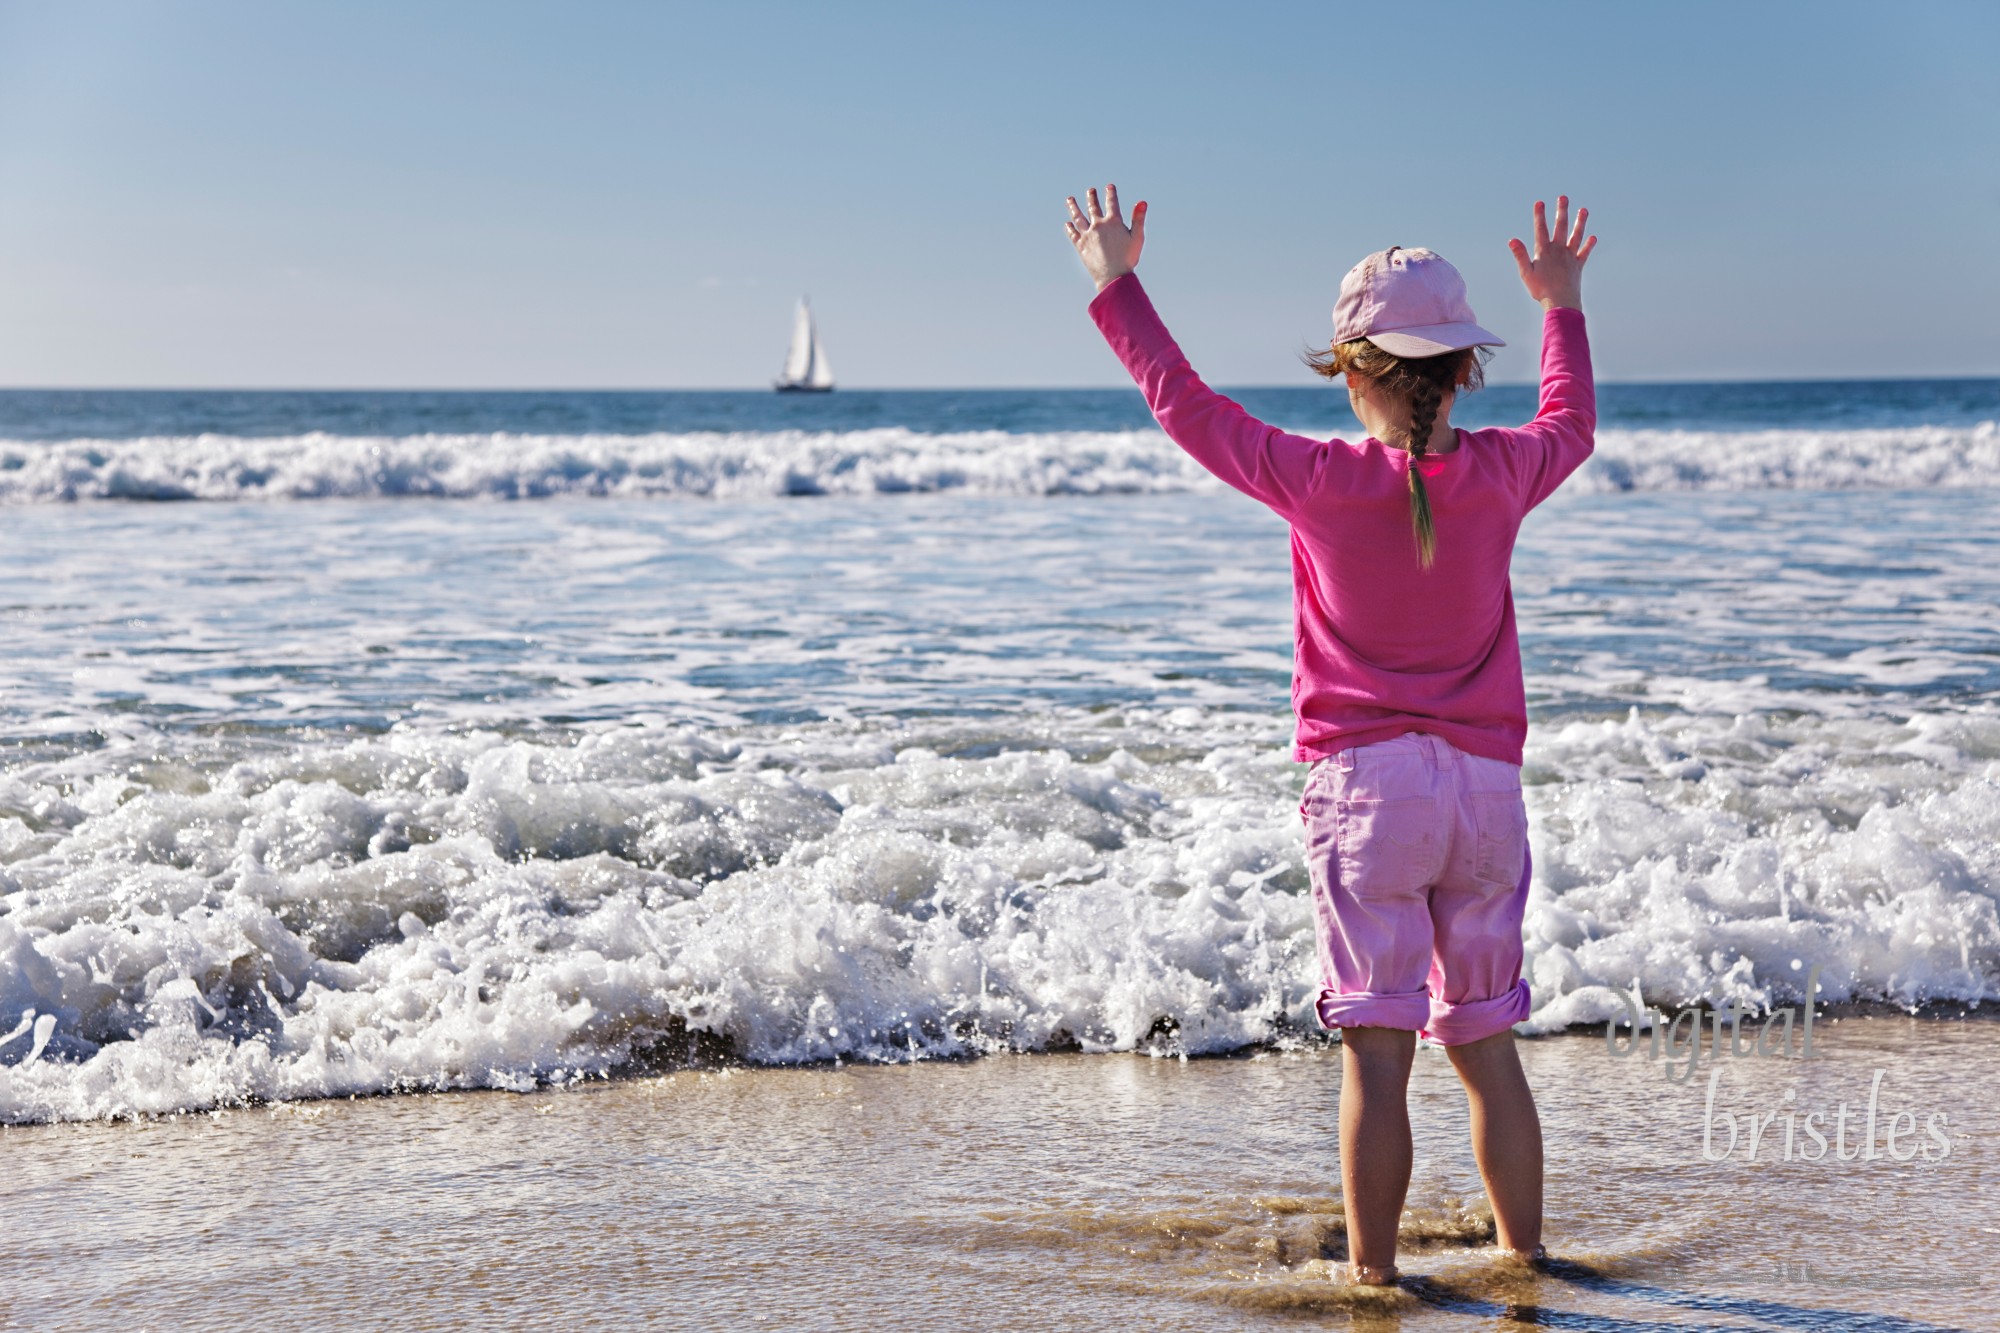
{"x":432,"y":911}
{"x":893,"y":460}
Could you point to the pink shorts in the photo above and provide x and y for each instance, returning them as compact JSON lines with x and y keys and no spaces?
{"x":1419,"y":860}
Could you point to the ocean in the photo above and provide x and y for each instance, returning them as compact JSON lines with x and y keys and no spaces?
{"x":394,"y":742}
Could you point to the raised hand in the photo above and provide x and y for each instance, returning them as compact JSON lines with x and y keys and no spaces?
{"x":1108,"y":248}
{"x":1553,"y":274}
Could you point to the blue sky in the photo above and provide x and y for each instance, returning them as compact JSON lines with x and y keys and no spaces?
{"x":610,"y":195}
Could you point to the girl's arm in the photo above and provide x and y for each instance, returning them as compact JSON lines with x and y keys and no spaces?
{"x":1565,"y":425}
{"x":1261,"y":461}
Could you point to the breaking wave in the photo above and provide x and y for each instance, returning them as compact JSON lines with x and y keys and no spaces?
{"x":893,"y":460}
{"x":474,"y":910}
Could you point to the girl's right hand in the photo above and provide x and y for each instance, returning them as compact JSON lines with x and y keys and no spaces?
{"x":1108,"y":248}
{"x":1553,"y":275}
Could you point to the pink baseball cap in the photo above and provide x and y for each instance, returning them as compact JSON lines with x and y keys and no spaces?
{"x":1408,"y":303}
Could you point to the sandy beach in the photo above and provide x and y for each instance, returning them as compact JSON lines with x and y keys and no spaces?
{"x":1024,"y":1192}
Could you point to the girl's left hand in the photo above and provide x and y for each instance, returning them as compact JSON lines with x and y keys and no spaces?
{"x":1108,"y":248}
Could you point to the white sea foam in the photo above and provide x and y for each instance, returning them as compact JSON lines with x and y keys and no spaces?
{"x":893,"y":460}
{"x":473,"y":910}
{"x":510,"y":466}
{"x":478,"y":911}
{"x":1902,"y":458}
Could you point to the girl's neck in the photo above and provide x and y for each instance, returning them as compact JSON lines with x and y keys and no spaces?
{"x":1392,"y":428}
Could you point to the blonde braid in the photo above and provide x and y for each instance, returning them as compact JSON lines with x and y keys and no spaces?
{"x":1425,"y":395}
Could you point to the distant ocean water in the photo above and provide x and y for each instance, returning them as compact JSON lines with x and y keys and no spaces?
{"x":982,"y":749}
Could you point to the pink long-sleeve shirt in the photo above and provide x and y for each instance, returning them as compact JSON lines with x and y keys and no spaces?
{"x":1382,"y":646}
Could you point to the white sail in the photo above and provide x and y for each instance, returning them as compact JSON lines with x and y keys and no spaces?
{"x":798,"y":360}
{"x":821,"y":374}
{"x":806,"y":365}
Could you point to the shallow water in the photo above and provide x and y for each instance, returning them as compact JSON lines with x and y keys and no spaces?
{"x":1022,"y":1192}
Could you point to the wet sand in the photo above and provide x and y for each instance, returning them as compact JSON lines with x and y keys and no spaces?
{"x":1029,"y":1192}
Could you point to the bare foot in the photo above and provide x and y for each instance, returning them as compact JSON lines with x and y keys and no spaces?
{"x":1368,"y":1275}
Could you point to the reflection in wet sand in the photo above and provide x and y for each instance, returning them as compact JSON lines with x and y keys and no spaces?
{"x":1014,"y":1192}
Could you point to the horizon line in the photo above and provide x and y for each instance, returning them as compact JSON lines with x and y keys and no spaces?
{"x":922,"y":388}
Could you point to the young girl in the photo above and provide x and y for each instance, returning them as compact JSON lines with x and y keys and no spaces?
{"x":1407,"y":678}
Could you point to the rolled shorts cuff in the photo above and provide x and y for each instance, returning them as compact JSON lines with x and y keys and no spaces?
{"x":1457,"y":1024}
{"x":1364,"y":1009}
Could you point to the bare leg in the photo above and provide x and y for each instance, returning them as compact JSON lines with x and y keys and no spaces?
{"x":1506,"y":1137}
{"x":1374,"y":1143}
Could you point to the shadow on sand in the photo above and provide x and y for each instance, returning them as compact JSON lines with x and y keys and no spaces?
{"x":1767,"y":1313}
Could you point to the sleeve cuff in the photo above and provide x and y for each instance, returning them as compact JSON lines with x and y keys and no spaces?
{"x":1121,"y":306}
{"x":1111,"y":293}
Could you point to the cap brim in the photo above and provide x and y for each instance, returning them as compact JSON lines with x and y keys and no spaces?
{"x":1434,"y":340}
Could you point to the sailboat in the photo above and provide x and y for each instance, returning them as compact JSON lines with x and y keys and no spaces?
{"x":806,"y":369}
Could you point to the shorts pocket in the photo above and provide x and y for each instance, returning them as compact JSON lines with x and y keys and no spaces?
{"x":1387,"y":846}
{"x":1501,"y":820}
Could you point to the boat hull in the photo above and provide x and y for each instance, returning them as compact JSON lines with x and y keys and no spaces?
{"x":803,"y":388}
